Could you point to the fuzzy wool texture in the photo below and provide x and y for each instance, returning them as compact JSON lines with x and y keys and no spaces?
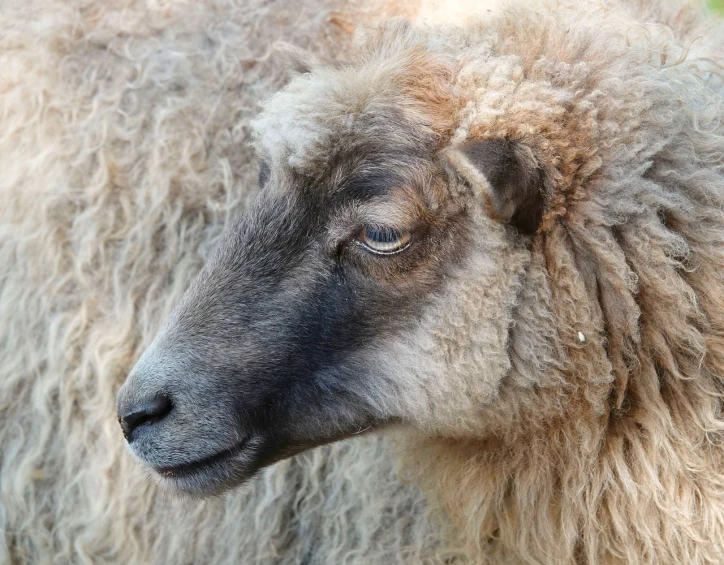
{"x":607,"y":449}
{"x":125,"y":151}
{"x":545,"y":447}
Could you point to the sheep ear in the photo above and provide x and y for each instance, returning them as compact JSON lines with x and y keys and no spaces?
{"x":298,"y":60}
{"x":505,"y":175}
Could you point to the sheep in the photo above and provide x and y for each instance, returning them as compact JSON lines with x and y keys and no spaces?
{"x":503,"y":243}
{"x":571,"y":158}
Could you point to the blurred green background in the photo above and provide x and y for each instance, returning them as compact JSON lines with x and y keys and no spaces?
{"x":718,"y":5}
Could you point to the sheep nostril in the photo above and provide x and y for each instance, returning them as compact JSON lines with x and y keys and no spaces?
{"x":146,"y":412}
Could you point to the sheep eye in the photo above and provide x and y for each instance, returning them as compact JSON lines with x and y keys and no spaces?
{"x":383,"y":241}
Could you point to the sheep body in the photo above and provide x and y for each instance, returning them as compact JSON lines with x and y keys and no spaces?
{"x":604,"y":449}
{"x":137,"y":123}
{"x":627,"y":467}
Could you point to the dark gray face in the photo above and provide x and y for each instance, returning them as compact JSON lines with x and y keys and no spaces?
{"x":272,"y":349}
{"x":305,"y":326}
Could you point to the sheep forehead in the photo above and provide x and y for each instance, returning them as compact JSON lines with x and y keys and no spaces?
{"x":302,"y":126}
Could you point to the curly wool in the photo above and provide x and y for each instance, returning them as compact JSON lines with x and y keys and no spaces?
{"x":606,"y":449}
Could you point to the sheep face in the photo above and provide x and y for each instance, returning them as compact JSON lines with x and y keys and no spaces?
{"x":371,"y":284}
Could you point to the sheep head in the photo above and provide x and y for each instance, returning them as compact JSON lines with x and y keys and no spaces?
{"x":371,"y":284}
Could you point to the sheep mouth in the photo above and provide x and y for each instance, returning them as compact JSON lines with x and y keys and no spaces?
{"x":228,"y":468}
{"x":198,"y":467}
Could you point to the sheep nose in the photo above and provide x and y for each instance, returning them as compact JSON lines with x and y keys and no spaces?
{"x":149,"y":411}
